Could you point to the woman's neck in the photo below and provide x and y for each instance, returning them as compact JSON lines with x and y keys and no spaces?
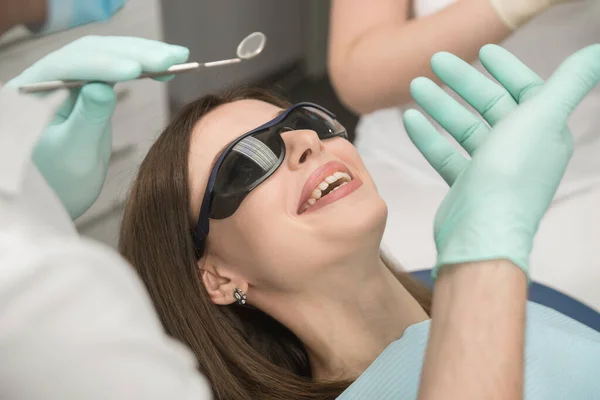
{"x":348,"y":325}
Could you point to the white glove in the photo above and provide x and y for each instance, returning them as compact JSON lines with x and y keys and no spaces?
{"x":515,"y":13}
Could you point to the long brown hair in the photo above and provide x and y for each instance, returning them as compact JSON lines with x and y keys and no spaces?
{"x":244,"y":352}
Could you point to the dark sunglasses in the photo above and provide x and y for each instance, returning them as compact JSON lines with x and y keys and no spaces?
{"x":253,"y":157}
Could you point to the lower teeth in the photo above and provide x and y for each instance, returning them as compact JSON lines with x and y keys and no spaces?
{"x":313,"y":200}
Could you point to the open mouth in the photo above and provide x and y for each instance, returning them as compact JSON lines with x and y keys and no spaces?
{"x":323,"y":183}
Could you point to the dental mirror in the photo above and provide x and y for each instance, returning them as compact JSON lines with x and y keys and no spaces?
{"x":251,"y":46}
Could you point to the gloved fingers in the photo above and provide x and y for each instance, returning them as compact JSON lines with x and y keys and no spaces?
{"x":164,"y":78}
{"x":91,"y":115}
{"x":442,"y":156}
{"x":520,"y":81}
{"x":571,"y":82}
{"x":490,"y":100}
{"x":109,"y":59}
{"x":140,"y":45}
{"x":106,"y":147}
{"x":153,"y":56}
{"x":179,"y":55}
{"x":66,"y":107}
{"x":96,"y":103}
{"x":85,"y":65}
{"x":468,"y":130}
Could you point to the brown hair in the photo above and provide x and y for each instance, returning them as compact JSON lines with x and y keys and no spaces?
{"x":244,"y":352}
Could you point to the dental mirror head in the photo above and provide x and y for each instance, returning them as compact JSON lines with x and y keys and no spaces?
{"x":251,"y":46}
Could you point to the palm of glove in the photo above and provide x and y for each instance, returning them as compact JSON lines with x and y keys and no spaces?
{"x":494,"y":207}
{"x":74,"y":152}
{"x":498,"y":198}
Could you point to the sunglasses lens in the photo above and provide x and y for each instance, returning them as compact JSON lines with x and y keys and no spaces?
{"x":257,"y":156}
{"x":313,"y":119}
{"x":249,"y":162}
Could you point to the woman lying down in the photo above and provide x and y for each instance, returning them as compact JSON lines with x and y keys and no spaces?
{"x":256,"y":228}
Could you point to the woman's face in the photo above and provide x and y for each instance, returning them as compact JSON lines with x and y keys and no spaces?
{"x":273,"y":242}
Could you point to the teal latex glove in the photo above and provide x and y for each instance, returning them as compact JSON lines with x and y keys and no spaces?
{"x":498,"y":198}
{"x":74,"y":152}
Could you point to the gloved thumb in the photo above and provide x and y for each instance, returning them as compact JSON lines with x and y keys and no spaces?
{"x":93,"y":109}
{"x":572,"y":81}
{"x":86,"y":127}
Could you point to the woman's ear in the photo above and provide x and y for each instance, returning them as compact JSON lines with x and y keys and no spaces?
{"x":219,"y":281}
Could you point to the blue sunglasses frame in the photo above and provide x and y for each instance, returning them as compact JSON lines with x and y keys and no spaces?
{"x":202,"y":227}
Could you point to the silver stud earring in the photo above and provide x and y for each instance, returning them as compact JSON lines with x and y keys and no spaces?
{"x":240,"y":296}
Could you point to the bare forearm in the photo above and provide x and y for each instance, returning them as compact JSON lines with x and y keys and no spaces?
{"x":17,"y":12}
{"x":372,"y":66}
{"x":475,"y":348}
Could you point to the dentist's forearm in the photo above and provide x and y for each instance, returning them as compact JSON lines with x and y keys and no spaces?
{"x":375,"y":51}
{"x":476,"y":342}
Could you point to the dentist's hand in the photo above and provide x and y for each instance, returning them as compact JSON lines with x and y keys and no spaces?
{"x":74,"y":152}
{"x":498,"y":198}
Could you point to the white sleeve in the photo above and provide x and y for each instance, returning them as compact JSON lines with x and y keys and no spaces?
{"x":77,"y":323}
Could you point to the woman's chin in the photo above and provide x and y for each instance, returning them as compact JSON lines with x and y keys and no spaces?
{"x":363,"y":220}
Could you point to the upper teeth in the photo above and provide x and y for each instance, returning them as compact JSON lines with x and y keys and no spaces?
{"x":321,"y":187}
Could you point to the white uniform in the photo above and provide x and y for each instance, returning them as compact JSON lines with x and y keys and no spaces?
{"x":565,"y":255}
{"x":75,"y":321}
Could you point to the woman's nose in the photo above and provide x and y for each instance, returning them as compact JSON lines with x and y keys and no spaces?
{"x":300,"y":146}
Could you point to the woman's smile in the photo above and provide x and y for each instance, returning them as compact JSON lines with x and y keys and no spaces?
{"x":327,"y":184}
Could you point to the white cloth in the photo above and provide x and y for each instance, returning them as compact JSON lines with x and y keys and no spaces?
{"x":565,"y":255}
{"x":75,"y":321}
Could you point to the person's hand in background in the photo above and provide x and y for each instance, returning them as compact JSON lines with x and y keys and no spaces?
{"x":376,"y":51}
{"x":516,"y":13}
{"x":74,"y":152}
{"x":498,"y":198}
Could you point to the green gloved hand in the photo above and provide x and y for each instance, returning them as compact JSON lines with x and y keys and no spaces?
{"x":74,"y":151}
{"x":498,"y":198}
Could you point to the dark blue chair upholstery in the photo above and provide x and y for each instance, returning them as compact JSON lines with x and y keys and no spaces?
{"x":547,"y":297}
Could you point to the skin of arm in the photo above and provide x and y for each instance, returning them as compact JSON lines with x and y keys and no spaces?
{"x":376,"y":50}
{"x":476,"y":342}
{"x":17,"y":12}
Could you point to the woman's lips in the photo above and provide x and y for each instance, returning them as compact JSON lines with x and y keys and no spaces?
{"x":318,"y":176}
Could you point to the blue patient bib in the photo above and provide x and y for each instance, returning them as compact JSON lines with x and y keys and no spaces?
{"x":65,"y":14}
{"x":562,"y":361}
